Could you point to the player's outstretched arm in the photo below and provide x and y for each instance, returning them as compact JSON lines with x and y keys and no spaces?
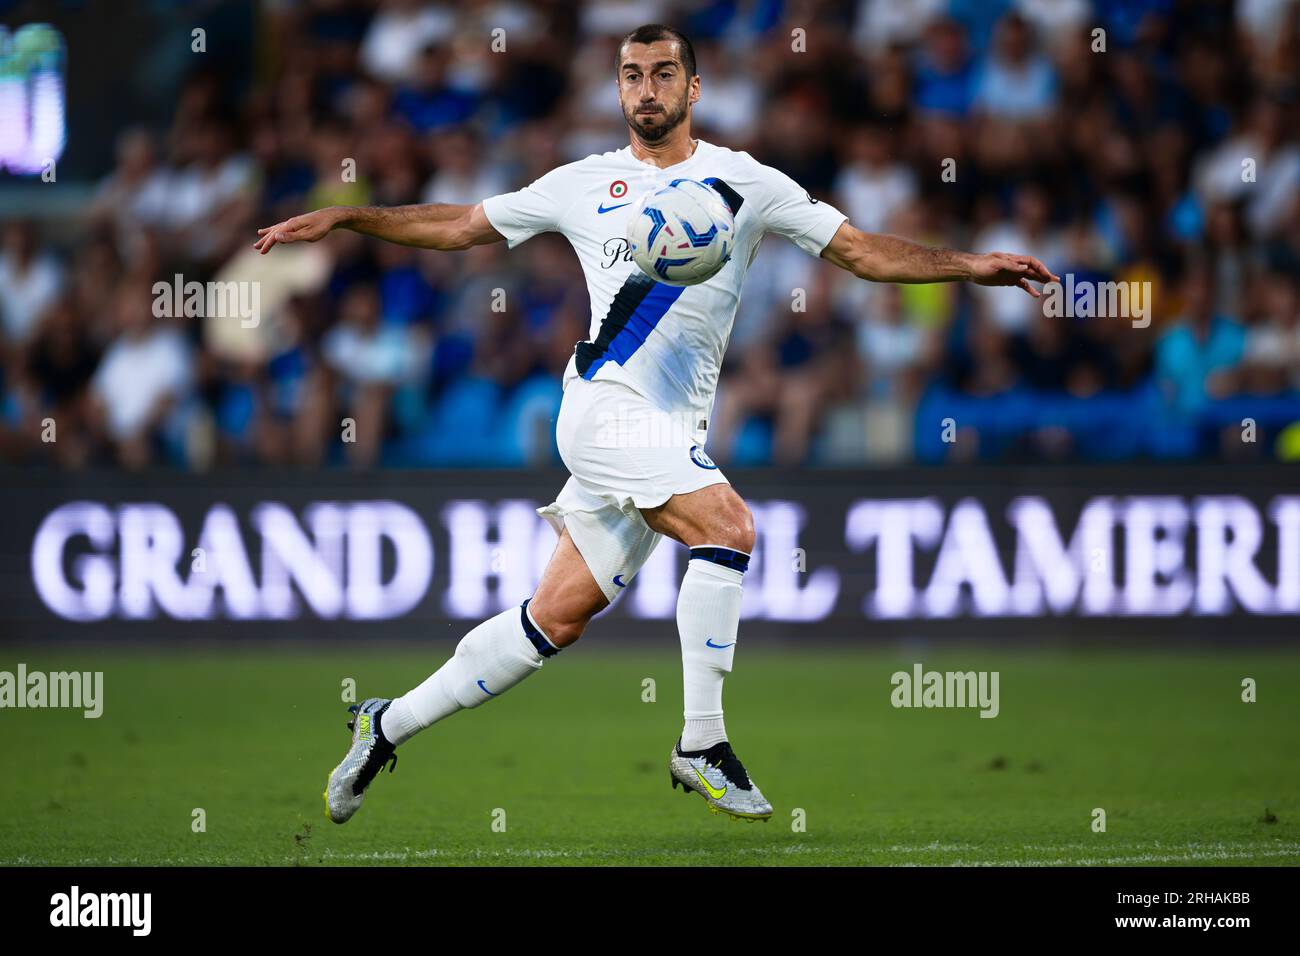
{"x":439,"y":226}
{"x":883,"y":258}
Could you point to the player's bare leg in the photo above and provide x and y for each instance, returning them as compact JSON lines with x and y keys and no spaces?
{"x":717,"y":526}
{"x":567,"y":597}
{"x":489,"y":660}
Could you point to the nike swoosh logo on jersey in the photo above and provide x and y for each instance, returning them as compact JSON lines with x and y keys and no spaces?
{"x":714,"y":792}
{"x":483,"y":687}
{"x":618,"y":583}
{"x":602,"y":208}
{"x":709,"y":643}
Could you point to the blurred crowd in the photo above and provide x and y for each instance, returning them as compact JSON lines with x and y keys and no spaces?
{"x":1137,"y":141}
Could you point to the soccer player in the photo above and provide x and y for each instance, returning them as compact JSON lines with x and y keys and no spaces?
{"x":633,"y":420}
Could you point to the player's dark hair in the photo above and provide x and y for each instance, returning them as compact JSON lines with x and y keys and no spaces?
{"x":653,"y":32}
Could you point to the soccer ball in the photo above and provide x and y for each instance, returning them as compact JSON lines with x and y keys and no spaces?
{"x":681,"y":234}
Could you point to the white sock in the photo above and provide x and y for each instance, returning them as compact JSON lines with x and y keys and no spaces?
{"x":489,"y":660}
{"x":708,"y":618}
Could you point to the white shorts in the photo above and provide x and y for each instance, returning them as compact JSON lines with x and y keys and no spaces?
{"x":623,"y":454}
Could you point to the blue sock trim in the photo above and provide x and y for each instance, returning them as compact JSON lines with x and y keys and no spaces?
{"x":736,"y":560}
{"x":544,"y":647}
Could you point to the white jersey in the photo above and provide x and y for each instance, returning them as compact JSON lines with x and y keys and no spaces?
{"x":664,"y":342}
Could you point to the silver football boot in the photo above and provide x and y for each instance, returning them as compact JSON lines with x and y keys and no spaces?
{"x":370,"y":750}
{"x":720,"y":778}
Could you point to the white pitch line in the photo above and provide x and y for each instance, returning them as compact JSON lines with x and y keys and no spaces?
{"x":1190,"y":851}
{"x":1085,"y":847}
{"x":1192,"y":856}
{"x":1123,"y":854}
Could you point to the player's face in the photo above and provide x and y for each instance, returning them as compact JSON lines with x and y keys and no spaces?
{"x":654,"y":89}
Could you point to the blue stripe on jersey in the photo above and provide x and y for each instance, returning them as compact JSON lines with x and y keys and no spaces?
{"x":734,"y":199}
{"x":653,"y":306}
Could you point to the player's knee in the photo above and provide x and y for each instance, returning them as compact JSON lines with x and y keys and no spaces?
{"x":565,"y":633}
{"x":560,"y":629}
{"x":733,"y":526}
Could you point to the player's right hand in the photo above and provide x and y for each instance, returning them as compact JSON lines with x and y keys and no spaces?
{"x":305,"y":228}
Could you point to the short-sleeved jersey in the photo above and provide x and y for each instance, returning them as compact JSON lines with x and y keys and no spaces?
{"x":664,"y":342}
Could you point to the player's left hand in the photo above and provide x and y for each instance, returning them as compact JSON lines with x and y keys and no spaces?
{"x":308,"y":227}
{"x":1005,"y":268}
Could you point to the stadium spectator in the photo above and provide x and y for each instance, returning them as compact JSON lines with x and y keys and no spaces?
{"x":62,"y":359}
{"x":399,"y":33}
{"x":1029,"y":228}
{"x":873,"y":184}
{"x":1271,"y":354}
{"x":1016,"y":82}
{"x":30,"y":281}
{"x":370,"y":358}
{"x":140,"y":387}
{"x":1196,"y":357}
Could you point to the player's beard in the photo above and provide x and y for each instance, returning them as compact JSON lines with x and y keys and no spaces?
{"x":672,"y":118}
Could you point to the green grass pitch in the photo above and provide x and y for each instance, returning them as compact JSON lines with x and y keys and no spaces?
{"x":573,"y":762}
